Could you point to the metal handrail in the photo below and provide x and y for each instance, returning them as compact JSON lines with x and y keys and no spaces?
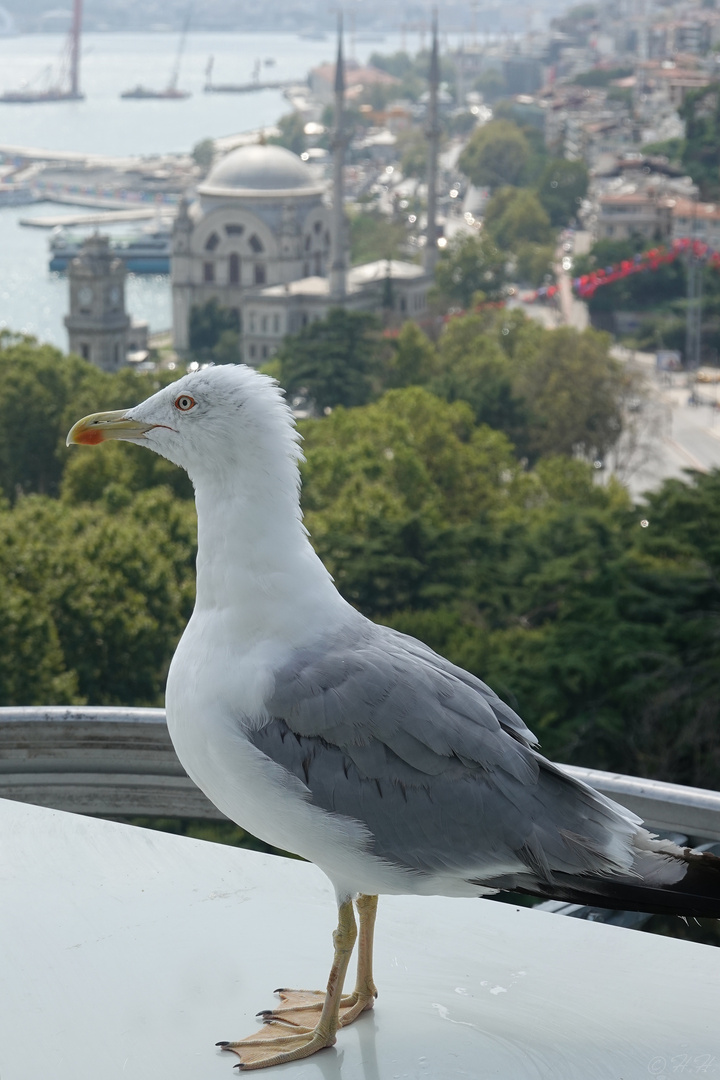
{"x":120,"y":761}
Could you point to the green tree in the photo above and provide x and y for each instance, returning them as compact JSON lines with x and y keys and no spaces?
{"x":414,"y":360}
{"x":373,"y":236}
{"x":669,"y":148}
{"x":214,"y":333}
{"x":561,"y":188}
{"x":112,"y":585}
{"x":572,"y":391}
{"x":384,"y":484}
{"x":292,"y":133}
{"x":534,"y":262}
{"x":473,"y":368}
{"x":701,"y":152}
{"x":44,"y":392}
{"x":118,"y":468}
{"x":514,"y":216}
{"x":495,"y":155}
{"x":335,"y":360}
{"x":470,"y":263}
{"x":203,"y":153}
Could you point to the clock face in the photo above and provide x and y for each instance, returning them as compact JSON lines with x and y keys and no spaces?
{"x":85,"y":295}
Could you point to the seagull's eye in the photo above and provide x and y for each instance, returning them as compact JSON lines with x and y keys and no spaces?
{"x":184,"y":402}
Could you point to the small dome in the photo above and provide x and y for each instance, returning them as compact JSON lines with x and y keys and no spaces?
{"x":258,"y":168}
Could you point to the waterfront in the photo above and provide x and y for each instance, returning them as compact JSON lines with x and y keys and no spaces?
{"x":31,"y":298}
{"x":111,"y":63}
{"x":34,"y":301}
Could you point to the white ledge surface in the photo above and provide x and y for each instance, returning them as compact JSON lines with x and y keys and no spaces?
{"x":128,"y":953}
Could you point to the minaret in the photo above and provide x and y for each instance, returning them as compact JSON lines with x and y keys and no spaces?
{"x":432,"y":130}
{"x":75,"y":94}
{"x":338,"y":267}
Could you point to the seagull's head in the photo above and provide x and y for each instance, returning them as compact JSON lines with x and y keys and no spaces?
{"x":216,"y":422}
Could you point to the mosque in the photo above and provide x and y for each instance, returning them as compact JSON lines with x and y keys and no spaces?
{"x":260,"y":239}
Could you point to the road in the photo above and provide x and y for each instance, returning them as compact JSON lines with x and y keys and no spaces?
{"x":679,"y":436}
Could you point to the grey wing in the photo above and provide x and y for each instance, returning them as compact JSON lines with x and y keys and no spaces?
{"x":441,"y":772}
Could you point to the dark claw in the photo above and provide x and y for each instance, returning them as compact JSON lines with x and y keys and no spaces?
{"x":264,"y":1012}
{"x":281,"y":990}
{"x":224,"y":1042}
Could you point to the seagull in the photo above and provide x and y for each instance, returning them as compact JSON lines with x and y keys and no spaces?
{"x":348,"y":743}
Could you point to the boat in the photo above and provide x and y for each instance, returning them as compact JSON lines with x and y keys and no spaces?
{"x":68,"y":86}
{"x":145,"y":251}
{"x":241,"y":88}
{"x":171,"y":92}
{"x":144,"y":93}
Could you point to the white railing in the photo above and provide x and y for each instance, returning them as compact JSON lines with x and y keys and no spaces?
{"x":120,"y":761}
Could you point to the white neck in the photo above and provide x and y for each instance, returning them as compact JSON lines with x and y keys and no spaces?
{"x":255,"y":562}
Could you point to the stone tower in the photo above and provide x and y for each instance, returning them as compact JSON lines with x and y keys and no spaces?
{"x":98,"y":324}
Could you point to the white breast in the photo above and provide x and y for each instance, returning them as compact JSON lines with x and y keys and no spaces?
{"x":213,"y":698}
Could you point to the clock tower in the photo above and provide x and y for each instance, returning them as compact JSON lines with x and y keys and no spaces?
{"x":98,"y":324}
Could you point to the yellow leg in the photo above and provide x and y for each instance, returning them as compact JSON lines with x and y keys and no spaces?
{"x":268,"y":1047}
{"x":297,"y":1004}
{"x":365,"y":992}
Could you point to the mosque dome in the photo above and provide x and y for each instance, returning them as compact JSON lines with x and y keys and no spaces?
{"x":259,"y":170}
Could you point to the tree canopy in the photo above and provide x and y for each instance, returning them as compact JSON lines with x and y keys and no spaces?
{"x":561,"y":187}
{"x":516,"y":215}
{"x":469,"y":264}
{"x":496,"y":154}
{"x":333,"y":360}
{"x":454,"y":506}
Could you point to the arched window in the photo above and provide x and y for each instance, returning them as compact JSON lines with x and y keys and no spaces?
{"x":308,"y":240}
{"x":259,"y":273}
{"x":234,"y":230}
{"x":208,"y":271}
{"x":234,"y":271}
{"x":317,"y":226}
{"x":318,"y":265}
{"x":255,"y":244}
{"x":212,"y":242}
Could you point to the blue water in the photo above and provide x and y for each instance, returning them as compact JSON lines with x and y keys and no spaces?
{"x":31,"y":298}
{"x":34,"y":301}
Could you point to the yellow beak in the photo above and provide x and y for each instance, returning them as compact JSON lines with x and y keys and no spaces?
{"x":98,"y":427}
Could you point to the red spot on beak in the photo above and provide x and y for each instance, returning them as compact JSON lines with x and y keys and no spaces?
{"x":91,"y":437}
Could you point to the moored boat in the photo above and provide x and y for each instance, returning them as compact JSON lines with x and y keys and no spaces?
{"x":142,"y":251}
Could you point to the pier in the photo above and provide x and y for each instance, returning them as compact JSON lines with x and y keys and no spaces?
{"x":105,"y":218}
